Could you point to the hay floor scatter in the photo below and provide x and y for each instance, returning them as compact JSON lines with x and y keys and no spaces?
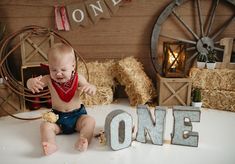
{"x":20,"y":141}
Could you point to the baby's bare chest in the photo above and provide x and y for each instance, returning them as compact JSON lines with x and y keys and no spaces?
{"x":61,"y":105}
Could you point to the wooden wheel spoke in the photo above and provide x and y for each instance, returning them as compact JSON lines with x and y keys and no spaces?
{"x":185,"y":25}
{"x":190,"y":48}
{"x":192,"y":57}
{"x":189,"y":61}
{"x":219,"y":49}
{"x":223,"y":27}
{"x":212,"y":16}
{"x":200,"y":18}
{"x":178,"y":39}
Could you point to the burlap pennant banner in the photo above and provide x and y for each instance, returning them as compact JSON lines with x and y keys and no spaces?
{"x":114,"y":5}
{"x":77,"y":15}
{"x":85,"y":13}
{"x":64,"y":19}
{"x":58,"y":19}
{"x":97,"y":9}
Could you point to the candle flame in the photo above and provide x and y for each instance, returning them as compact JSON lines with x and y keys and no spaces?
{"x":172,"y":58}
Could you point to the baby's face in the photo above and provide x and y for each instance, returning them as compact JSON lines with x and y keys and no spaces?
{"x":61,"y":68}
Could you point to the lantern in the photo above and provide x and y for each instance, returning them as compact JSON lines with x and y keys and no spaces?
{"x":174,"y":59}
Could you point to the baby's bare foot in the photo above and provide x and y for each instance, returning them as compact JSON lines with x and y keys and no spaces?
{"x":49,"y":148}
{"x":81,"y":144}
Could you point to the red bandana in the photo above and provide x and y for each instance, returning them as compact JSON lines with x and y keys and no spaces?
{"x":66,"y":90}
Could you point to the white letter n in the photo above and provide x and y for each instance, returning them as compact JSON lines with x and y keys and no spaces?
{"x":95,"y":8}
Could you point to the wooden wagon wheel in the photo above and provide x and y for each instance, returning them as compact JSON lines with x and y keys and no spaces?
{"x":201,"y":32}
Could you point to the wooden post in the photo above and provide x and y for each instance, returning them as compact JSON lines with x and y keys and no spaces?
{"x":228,"y":47}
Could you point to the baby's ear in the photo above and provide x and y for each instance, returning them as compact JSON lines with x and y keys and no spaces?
{"x":74,"y":63}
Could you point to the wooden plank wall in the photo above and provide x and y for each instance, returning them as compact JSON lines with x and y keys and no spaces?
{"x":127,"y":33}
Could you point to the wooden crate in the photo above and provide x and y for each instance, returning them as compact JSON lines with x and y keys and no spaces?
{"x":26,"y":73}
{"x":9,"y":101}
{"x":174,"y":91}
{"x":34,"y":48}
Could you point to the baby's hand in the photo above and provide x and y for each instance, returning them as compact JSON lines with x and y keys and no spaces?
{"x":88,"y":88}
{"x":35,"y":84}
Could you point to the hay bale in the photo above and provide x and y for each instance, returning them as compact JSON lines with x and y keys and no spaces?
{"x":221,"y":79}
{"x":217,"y":99}
{"x":99,"y":73}
{"x":101,"y":76}
{"x":139,"y":88}
{"x":103,"y":96}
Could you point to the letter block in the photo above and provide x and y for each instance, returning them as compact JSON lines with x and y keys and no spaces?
{"x":182,"y":129}
{"x":146,"y":124}
{"x":118,"y":129}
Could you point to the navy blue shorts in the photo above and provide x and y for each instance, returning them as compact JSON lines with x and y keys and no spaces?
{"x":67,"y":120}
